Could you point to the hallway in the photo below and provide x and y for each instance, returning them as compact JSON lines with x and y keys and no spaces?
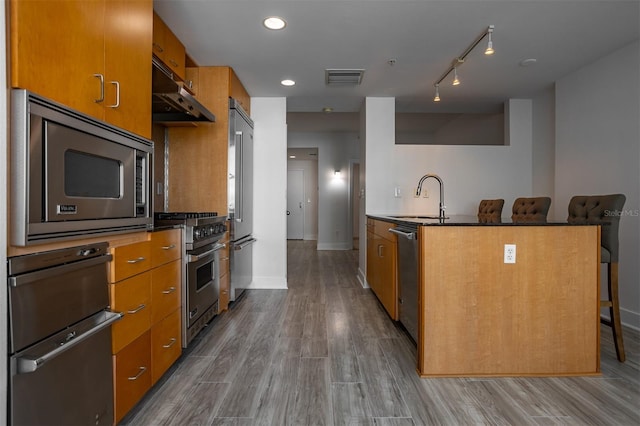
{"x":324,"y":352}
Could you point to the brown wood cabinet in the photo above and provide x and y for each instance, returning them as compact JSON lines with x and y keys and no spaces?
{"x":479,"y":316}
{"x":223,"y":303}
{"x":200,"y":154}
{"x":79,"y":54}
{"x":382,"y":264}
{"x":145,"y":284}
{"x":168,"y":48}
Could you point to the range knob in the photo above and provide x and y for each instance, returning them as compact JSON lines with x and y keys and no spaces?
{"x":196,"y":233}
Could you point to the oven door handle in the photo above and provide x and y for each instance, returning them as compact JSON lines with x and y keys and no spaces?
{"x":30,"y":363}
{"x":196,"y":257}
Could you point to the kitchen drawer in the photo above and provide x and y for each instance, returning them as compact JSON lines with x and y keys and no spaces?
{"x":132,"y":374}
{"x":166,"y":345}
{"x":165,"y":246}
{"x":165,"y":290}
{"x":224,"y":259}
{"x":382,"y":229}
{"x":129,"y":260}
{"x":132,"y":297}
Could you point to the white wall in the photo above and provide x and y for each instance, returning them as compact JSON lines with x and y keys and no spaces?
{"x":470,"y":173}
{"x":543,"y":154}
{"x":269,"y":192}
{"x":598,"y":152}
{"x":335,"y":150}
{"x":310,"y":210}
{"x":3,"y":220}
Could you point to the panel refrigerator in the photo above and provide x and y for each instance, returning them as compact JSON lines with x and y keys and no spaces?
{"x":240,"y":192}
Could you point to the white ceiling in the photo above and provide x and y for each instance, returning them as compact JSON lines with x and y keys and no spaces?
{"x":422,"y":36}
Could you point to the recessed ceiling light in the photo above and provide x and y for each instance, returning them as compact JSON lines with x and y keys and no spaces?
{"x":327,"y":109}
{"x":274,"y":23}
{"x":288,"y":82}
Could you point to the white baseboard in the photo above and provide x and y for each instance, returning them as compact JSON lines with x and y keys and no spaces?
{"x":362,"y":278}
{"x":628,"y":318}
{"x":268,"y":283}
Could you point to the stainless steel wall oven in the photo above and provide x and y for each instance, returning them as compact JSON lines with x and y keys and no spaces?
{"x":60,"y":337}
{"x":72,"y":175}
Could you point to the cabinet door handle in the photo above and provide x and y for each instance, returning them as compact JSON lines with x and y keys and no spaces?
{"x":171,"y":343}
{"x":138,"y":309}
{"x":117,"y":104}
{"x":140,"y":373}
{"x":174,"y":63}
{"x":169,"y":290}
{"x":138,"y":260}
{"x":157,"y":47}
{"x":380,"y":250}
{"x":101,"y":78}
{"x":169,"y":247}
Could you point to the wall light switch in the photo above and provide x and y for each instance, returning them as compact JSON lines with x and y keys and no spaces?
{"x":397,"y":192}
{"x":509,"y":253}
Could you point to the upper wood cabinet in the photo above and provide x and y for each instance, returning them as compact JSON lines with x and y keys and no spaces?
{"x":200,"y":154}
{"x":92,"y":56}
{"x":168,"y":48}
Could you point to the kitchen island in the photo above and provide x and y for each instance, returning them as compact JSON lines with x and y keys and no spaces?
{"x":480,"y":316}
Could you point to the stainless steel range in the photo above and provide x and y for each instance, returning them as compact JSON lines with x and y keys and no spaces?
{"x":200,"y":272}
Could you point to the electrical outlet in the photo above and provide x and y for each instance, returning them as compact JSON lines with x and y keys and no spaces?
{"x":397,"y":192}
{"x":509,"y":253}
{"x":425,"y":193}
{"x":159,"y":188}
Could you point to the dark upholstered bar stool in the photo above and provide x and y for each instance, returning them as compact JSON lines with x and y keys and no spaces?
{"x":490,"y":211}
{"x":604,"y":210}
{"x":530,"y":210}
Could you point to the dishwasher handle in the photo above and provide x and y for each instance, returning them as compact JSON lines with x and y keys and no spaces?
{"x":31,"y":363}
{"x":407,"y":233}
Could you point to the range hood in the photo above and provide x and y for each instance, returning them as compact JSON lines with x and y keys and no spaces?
{"x":171,"y":102}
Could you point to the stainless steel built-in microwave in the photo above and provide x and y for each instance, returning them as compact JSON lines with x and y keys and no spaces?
{"x":73,"y":176}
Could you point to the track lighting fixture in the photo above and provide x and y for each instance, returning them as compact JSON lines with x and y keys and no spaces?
{"x":489,"y":50}
{"x":460,"y":60}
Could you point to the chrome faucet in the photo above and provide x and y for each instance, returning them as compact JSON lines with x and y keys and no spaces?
{"x":419,"y":190}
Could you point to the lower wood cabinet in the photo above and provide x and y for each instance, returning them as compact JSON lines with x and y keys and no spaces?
{"x":223,"y":300}
{"x":382,"y":264}
{"x":132,"y":374}
{"x":145,"y":285}
{"x":165,"y":345}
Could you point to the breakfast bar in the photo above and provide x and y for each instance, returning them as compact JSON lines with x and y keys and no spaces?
{"x":503,"y":299}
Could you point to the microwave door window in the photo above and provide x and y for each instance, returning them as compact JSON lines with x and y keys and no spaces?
{"x":90,"y":176}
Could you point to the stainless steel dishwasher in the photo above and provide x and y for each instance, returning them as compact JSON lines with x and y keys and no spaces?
{"x":408,"y":277}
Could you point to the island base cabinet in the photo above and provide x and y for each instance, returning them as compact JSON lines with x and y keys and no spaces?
{"x":480,"y":316}
{"x":132,"y":374}
{"x":165,"y":345}
{"x":382,"y":264}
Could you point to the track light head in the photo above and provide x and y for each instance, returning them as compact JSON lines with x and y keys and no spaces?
{"x":489,"y":50}
{"x":456,"y":81}
{"x":436,"y":98}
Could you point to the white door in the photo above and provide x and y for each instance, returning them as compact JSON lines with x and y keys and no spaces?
{"x":295,"y":204}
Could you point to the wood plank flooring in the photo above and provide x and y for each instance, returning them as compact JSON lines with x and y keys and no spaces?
{"x":324,"y":352}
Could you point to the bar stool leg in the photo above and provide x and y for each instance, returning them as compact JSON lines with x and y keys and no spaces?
{"x":614,"y":309}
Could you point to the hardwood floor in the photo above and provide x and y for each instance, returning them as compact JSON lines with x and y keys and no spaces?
{"x":324,"y":352}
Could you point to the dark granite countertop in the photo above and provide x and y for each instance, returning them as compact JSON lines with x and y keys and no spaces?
{"x":455,"y":220}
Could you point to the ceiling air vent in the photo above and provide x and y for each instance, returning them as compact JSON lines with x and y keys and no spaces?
{"x":336,"y":77}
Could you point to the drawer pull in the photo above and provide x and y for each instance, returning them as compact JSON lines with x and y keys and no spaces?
{"x":172,"y":62}
{"x":140,"y":373}
{"x":138,"y":309}
{"x":157,"y":47}
{"x":172,"y":246}
{"x":169,"y":290}
{"x":138,"y":260}
{"x":171,"y":343}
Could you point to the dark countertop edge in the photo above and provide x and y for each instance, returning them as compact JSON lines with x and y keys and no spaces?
{"x":464,"y":220}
